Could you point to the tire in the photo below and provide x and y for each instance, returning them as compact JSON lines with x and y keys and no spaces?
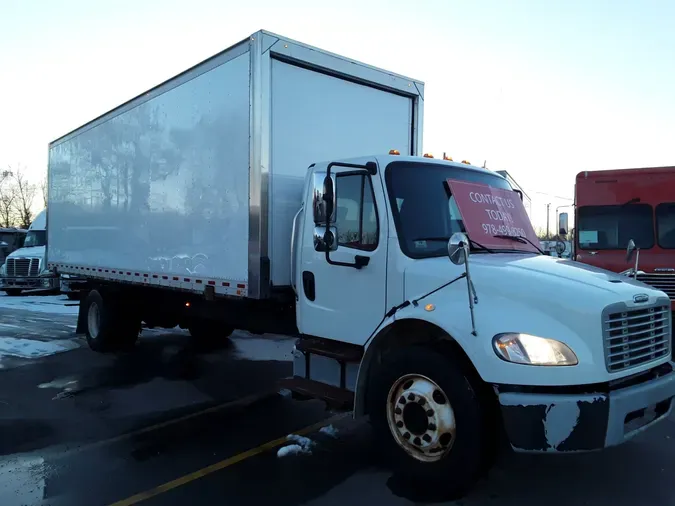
{"x":208,"y":335}
{"x":13,"y":292}
{"x":424,"y":394}
{"x":108,"y":327}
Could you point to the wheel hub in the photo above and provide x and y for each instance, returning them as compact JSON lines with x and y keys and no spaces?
{"x":421,"y":418}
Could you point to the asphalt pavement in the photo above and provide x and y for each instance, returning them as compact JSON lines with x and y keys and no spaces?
{"x":164,"y":425}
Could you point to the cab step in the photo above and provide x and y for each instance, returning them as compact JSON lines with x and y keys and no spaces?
{"x":335,"y":397}
{"x":326,"y":362}
{"x":342,"y":352}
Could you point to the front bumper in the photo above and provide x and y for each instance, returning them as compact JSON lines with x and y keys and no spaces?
{"x":29,"y":283}
{"x":578,"y":422}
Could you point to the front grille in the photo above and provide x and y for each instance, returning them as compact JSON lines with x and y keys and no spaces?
{"x":23,"y":267}
{"x":634,"y":337}
{"x":663,"y":282}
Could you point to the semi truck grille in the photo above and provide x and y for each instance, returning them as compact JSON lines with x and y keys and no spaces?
{"x":634,"y":337}
{"x":23,"y":267}
{"x":663,"y":282}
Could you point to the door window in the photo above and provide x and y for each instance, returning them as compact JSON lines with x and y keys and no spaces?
{"x":356,"y":220}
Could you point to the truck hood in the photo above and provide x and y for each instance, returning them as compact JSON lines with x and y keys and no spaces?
{"x":516,"y":273}
{"x":34,"y":252}
{"x":529,"y":294}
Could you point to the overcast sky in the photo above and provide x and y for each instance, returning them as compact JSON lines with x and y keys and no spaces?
{"x":543,"y":89}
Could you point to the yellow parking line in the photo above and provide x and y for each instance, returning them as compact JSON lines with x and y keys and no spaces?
{"x":170,"y":485}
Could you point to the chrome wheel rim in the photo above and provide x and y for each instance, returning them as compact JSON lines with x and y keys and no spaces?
{"x":421,"y":418}
{"x":93,"y":320}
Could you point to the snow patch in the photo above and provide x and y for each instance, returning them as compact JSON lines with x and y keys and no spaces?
{"x":40,"y":304}
{"x":329,"y":430}
{"x":59,"y":383}
{"x":303,"y":446}
{"x":30,"y":348}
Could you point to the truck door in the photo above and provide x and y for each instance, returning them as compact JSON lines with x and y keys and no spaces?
{"x":343,"y":298}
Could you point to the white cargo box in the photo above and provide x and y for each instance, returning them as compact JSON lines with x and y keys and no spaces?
{"x":195,"y":183}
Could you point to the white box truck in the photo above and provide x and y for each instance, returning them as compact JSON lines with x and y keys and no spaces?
{"x":279,"y":188}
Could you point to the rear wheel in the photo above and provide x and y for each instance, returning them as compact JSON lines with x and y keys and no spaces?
{"x":428,"y":421}
{"x":109,"y":327}
{"x":208,"y":335}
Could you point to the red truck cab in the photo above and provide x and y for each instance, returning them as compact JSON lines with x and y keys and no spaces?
{"x":614,"y":206}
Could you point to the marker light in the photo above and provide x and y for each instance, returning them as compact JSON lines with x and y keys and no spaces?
{"x":448,"y":158}
{"x":394,"y":152}
{"x":467,"y":162}
{"x":428,"y":155}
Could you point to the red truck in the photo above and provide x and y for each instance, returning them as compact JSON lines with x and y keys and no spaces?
{"x":615,"y":207}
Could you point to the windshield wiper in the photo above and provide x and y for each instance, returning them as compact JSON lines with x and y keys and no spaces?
{"x":446,"y":239}
{"x":519,"y":238}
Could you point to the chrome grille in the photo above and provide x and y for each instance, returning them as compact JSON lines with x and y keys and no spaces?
{"x":663,"y":282}
{"x":634,"y":337}
{"x":23,"y":267}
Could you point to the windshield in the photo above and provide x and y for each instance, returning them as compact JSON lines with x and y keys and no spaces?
{"x":35,"y":238}
{"x":424,"y":215}
{"x":611,"y":227}
{"x":665,"y":224}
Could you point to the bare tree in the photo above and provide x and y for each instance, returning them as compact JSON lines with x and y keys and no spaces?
{"x":8,"y":217}
{"x":25,"y":194}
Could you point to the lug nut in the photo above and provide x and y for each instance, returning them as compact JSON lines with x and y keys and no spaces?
{"x":406,"y":435}
{"x":411,"y":397}
{"x":399,"y":424}
{"x":431,"y":426}
{"x":402,"y":400}
{"x":398,"y":411}
{"x":430,"y":412}
{"x":422,"y":401}
{"x":417,"y":442}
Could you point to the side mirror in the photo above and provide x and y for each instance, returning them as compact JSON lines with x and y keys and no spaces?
{"x":325,"y":241}
{"x":323,"y":199}
{"x":329,"y":196}
{"x":458,"y":248}
{"x":562,"y":223}
{"x":630,"y":250}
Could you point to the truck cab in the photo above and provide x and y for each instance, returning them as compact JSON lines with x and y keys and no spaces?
{"x":26,"y":267}
{"x":614,"y":207}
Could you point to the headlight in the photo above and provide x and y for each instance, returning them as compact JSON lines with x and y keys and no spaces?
{"x":532,"y":350}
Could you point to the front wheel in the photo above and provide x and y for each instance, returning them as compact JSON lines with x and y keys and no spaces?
{"x":428,"y":421}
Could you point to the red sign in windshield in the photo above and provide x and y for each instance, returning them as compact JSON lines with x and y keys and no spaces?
{"x":488,"y":212}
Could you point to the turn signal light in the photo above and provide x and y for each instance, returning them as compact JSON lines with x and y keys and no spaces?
{"x":428,"y":155}
{"x":394,"y":152}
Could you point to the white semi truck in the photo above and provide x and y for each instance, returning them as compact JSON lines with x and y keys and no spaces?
{"x":25,"y":268}
{"x":279,"y":188}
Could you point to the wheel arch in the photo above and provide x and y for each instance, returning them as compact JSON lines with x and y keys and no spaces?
{"x":402,"y":333}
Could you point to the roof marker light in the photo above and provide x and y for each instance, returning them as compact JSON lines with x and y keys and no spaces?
{"x":467,"y":162}
{"x":448,"y":158}
{"x":394,"y":152}
{"x":428,"y":155}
